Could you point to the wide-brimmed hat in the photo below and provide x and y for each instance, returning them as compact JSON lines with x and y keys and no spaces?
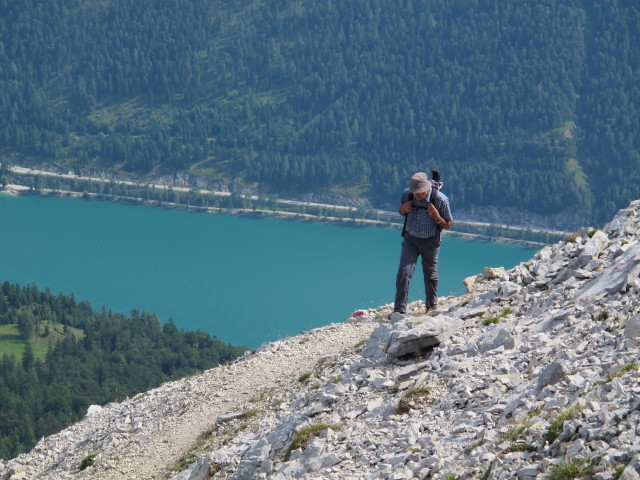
{"x":419,"y":183}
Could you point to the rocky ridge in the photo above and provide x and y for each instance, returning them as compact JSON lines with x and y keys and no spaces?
{"x":532,"y":374}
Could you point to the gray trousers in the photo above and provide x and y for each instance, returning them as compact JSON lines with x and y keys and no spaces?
{"x":428,"y":249}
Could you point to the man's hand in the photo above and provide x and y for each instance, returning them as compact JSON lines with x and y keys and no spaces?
{"x":406,"y":208}
{"x":433,"y":213}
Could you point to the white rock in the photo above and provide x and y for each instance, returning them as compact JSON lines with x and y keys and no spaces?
{"x":632,"y":328}
{"x":93,"y":410}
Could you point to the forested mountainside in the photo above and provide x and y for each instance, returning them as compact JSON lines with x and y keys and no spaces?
{"x":58,"y":356}
{"x":528,"y":105}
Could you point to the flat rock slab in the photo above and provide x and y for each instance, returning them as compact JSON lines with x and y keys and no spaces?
{"x":430,"y":333}
{"x":623,"y":271}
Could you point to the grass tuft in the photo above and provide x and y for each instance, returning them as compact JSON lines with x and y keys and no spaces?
{"x":304,"y":436}
{"x":515,"y":431}
{"x":625,"y":369}
{"x":487,"y":472}
{"x":407,"y":398}
{"x":555,"y":429}
{"x":572,"y":237}
{"x":618,"y":471}
{"x":496,"y":319}
{"x":575,"y":468}
{"x":520,"y":447}
{"x":490,"y":321}
{"x":251,"y":413}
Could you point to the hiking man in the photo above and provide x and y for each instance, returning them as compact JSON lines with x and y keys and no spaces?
{"x":427,"y":212}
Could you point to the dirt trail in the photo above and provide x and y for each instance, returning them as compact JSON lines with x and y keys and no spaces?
{"x":155,"y":448}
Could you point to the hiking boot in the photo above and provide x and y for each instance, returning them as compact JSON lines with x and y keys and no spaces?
{"x":432,"y":310}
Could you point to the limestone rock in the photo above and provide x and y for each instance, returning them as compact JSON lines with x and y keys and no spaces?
{"x":469,"y":282}
{"x":552,"y":373}
{"x":495,"y":337}
{"x":623,"y":271}
{"x":197,"y":471}
{"x":493,"y":272}
{"x":432,"y":332}
{"x":632,"y":328}
{"x":629,"y":473}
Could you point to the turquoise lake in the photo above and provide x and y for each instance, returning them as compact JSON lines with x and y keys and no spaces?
{"x":245,"y":280}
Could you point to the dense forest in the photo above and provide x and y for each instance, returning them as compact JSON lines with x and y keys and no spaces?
{"x":523,"y":105}
{"x":96,"y":358}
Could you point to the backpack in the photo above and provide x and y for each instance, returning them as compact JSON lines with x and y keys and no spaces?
{"x":436,"y":185}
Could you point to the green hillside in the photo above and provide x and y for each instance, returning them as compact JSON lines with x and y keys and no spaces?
{"x":531,"y":106}
{"x":58,"y":356}
{"x":12,"y":341}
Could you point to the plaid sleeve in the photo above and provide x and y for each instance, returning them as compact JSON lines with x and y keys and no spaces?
{"x":443,"y":207}
{"x":405,"y":197}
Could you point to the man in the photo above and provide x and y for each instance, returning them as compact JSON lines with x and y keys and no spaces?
{"x":424,"y":222}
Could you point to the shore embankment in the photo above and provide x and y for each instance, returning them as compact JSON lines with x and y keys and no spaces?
{"x":225,"y":202}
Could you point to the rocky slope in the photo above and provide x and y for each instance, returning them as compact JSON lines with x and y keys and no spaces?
{"x":532,"y":374}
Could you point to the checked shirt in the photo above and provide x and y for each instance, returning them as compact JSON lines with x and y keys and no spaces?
{"x":419,"y":223}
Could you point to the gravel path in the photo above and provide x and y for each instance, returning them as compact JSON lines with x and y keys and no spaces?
{"x":155,"y":448}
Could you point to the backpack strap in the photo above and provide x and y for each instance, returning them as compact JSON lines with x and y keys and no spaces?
{"x":404,"y":227}
{"x":435,"y":187}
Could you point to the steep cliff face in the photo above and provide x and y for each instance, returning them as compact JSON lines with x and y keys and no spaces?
{"x":532,"y":373}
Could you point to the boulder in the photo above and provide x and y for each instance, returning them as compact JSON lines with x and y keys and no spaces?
{"x":93,"y":410}
{"x":495,"y":337}
{"x":632,"y":328}
{"x":552,"y":373}
{"x":493,"y":272}
{"x":196,"y":471}
{"x":469,"y":282}
{"x":430,"y":333}
{"x":622,"y":272}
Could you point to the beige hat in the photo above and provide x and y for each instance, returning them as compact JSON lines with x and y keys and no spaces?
{"x":419,"y":183}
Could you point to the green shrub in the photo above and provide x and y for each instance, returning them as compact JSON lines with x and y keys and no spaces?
{"x":87,"y":461}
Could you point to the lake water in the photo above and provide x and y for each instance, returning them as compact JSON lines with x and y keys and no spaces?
{"x":245,"y":280}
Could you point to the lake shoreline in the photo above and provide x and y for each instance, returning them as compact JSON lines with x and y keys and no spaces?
{"x":245,"y":280}
{"x":15,"y":189}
